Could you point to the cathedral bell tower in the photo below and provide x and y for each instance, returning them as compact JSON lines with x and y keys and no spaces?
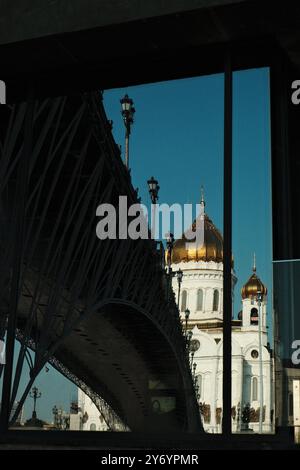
{"x":254,"y":300}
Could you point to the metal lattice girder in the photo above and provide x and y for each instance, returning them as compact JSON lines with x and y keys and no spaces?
{"x":111,"y":419}
{"x":69,"y":280}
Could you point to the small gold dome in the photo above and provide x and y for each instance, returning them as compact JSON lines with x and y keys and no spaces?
{"x":253,"y":286}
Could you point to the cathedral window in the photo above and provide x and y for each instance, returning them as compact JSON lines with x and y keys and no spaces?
{"x":254,"y":354}
{"x":183,"y":300}
{"x":200,"y":300}
{"x":93,"y":427}
{"x":254,"y":389}
{"x":216,"y":301}
{"x":254,"y":316}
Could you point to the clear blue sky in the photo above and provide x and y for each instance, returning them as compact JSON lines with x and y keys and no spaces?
{"x":178,"y":138}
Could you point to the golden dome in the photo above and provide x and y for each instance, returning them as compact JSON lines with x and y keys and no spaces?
{"x":253,"y":286}
{"x":210,"y":250}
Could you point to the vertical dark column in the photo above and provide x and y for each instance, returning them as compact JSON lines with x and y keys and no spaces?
{"x":227,"y":303}
{"x":285,"y":124}
{"x":19,"y":210}
{"x":282,"y":197}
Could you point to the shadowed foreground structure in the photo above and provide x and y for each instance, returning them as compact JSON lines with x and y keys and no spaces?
{"x":99,"y":310}
{"x":52,"y":52}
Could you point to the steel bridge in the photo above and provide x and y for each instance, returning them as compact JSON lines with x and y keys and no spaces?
{"x":65,"y":48}
{"x":100,"y":311}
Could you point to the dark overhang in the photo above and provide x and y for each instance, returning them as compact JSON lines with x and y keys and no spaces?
{"x":66,"y":46}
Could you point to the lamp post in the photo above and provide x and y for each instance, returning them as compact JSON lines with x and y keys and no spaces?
{"x":196,"y":384}
{"x":35,"y":394}
{"x":179,"y":280}
{"x":192,"y":354}
{"x":127,"y":111}
{"x":261,"y":387}
{"x":194,"y":370}
{"x":55,"y":413}
{"x":188,"y":337}
{"x":153,"y":190}
{"x":238,"y":417}
{"x":186,"y":316}
{"x":170,"y":243}
{"x":60,"y":415}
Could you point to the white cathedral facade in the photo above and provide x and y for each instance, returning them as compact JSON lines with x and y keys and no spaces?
{"x":88,"y":417}
{"x":201,"y":310}
{"x":201,"y":297}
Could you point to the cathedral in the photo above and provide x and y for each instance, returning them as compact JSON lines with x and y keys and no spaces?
{"x":201,"y":304}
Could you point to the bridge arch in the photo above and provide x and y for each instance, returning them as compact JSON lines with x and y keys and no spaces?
{"x":133,"y":365}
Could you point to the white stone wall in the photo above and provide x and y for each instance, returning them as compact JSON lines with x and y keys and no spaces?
{"x":209,"y":361}
{"x":208,"y":276}
{"x":95,"y":421}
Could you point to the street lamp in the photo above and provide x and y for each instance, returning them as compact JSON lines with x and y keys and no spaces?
{"x":261,"y":387}
{"x":192,"y":354}
{"x":186,"y":316}
{"x":153,"y":190}
{"x":55,"y":413}
{"x":238,"y":419}
{"x":127,"y":111}
{"x":35,"y":394}
{"x":60,"y":417}
{"x":179,"y":280}
{"x":196,"y":384}
{"x":194,"y":369}
{"x":170,"y":243}
{"x":188,"y":339}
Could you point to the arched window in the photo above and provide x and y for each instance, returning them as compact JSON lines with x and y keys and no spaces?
{"x":254,"y":316}
{"x":216,"y":301}
{"x":254,"y":389}
{"x":200,"y":300}
{"x":156,"y":406}
{"x":93,"y":427}
{"x":183,"y":300}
